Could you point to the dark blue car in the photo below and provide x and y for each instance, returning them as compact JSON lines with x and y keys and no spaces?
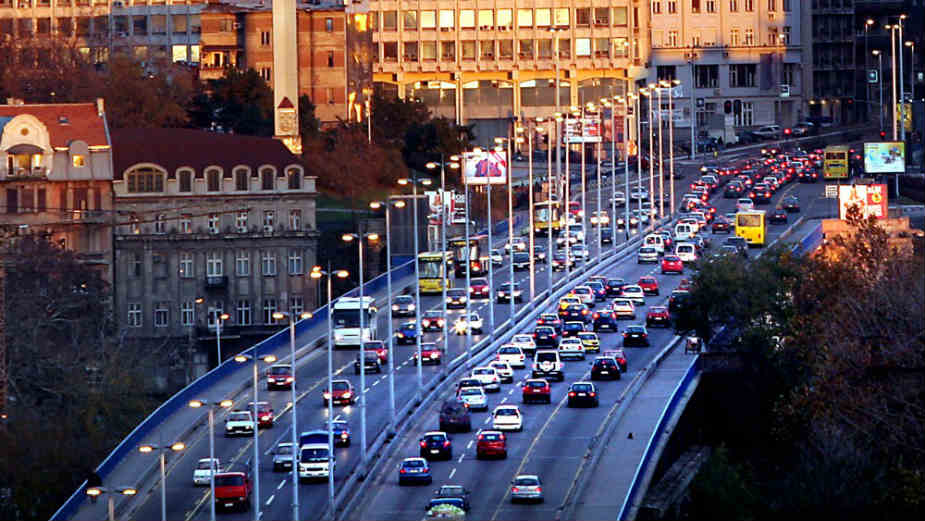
{"x":407,"y":333}
{"x":341,"y":433}
{"x":572,"y":328}
{"x":414,"y":470}
{"x":605,"y":320}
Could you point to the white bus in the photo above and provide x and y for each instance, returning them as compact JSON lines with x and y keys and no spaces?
{"x":345,"y":318}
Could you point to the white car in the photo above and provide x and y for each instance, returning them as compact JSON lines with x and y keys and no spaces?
{"x":571,"y":348}
{"x":527,"y":487}
{"x":524,"y":342}
{"x":578,"y":231}
{"x":512,"y":355}
{"x":745,"y":204}
{"x":634,"y":293}
{"x":202,"y":474}
{"x":579,"y":252}
{"x":520,"y":244}
{"x":462,"y":325}
{"x":507,"y":418}
{"x":474,"y":397}
{"x":639,"y":194}
{"x":603,"y":218}
{"x":624,"y":308}
{"x":619,"y":199}
{"x":641,"y":216}
{"x":496,"y":258}
{"x":686,"y":251}
{"x":647,"y":254}
{"x":504,"y":370}
{"x":504,"y":293}
{"x":570,"y":237}
{"x":585,"y":293}
{"x":239,"y":422}
{"x":489,"y":378}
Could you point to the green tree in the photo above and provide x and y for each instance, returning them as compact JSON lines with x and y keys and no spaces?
{"x":138,"y":98}
{"x":309,"y":124}
{"x":239,"y":102}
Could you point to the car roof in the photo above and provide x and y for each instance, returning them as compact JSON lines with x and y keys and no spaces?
{"x":434,"y":433}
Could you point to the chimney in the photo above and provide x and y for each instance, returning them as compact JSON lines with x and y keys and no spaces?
{"x":100,"y":110}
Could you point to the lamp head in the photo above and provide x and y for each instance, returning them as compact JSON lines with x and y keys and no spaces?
{"x":399,"y":204}
{"x":342,"y":274}
{"x":375,"y":205}
{"x":431,"y":165}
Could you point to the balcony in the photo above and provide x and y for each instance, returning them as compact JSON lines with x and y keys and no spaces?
{"x":216,"y":282}
{"x":36,"y":172}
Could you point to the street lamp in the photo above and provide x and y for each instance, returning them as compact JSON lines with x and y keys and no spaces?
{"x":869,"y":22}
{"x":902,"y":93}
{"x":510,"y":226}
{"x":650,"y":93}
{"x":163,"y":450}
{"x":280,"y":315}
{"x":893,"y":28}
{"x":661,"y":157}
{"x":555,"y":38}
{"x":879,"y":55}
{"x":670,"y":85}
{"x":317,"y":273}
{"x":911,"y":45}
{"x":96,"y":492}
{"x":454,"y":164}
{"x":224,"y":404}
{"x":531,"y":243}
{"x":242,"y":358}
{"x":219,"y":319}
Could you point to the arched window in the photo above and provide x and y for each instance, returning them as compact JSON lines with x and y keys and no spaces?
{"x":186,"y":181}
{"x":214,"y":179}
{"x":145,"y":180}
{"x":295,"y":178}
{"x":267,"y":175}
{"x":241,"y":179}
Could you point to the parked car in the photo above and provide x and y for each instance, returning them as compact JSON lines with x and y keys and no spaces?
{"x":768,"y":132}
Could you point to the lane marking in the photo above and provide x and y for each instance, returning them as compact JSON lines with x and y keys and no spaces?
{"x":469,"y":445}
{"x":281,"y":485}
{"x":461,"y":456}
{"x":270,"y":499}
{"x":452,"y":473}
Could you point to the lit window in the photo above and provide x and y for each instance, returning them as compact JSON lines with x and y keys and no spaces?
{"x":78,"y":161}
{"x":186,"y":265}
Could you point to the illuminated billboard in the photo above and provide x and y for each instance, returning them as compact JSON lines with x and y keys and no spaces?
{"x":584,"y":130}
{"x":485,"y":167}
{"x":871,"y":199}
{"x":888,"y":157}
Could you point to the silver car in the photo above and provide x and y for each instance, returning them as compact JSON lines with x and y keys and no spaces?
{"x":526,"y":487}
{"x":282,"y":457}
{"x":647,"y":254}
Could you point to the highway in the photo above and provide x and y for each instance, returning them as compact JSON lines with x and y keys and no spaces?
{"x":555,"y":438}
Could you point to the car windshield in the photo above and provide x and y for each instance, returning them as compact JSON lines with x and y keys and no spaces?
{"x":647,"y":249}
{"x":658,"y":309}
{"x":240,"y":416}
{"x":615,"y":282}
{"x":522,"y":338}
{"x":621,"y":302}
{"x":604,"y":361}
{"x":377,"y":344}
{"x":229,"y":481}
{"x":526,"y":482}
{"x":506,"y":412}
{"x":635,"y":329}
{"x":538,"y":385}
{"x":479,"y":282}
{"x":340,"y":386}
{"x":456,"y":502}
{"x":587,"y":336}
{"x":403,"y":300}
{"x":573,"y":325}
{"x":582,"y":388}
{"x":472,"y":391}
{"x":546,"y":357}
{"x":483,"y":371}
{"x":415,"y":463}
{"x":521,"y":257}
{"x":408,"y":326}
{"x":544,"y":330}
{"x":284,"y":450}
{"x":435,"y":437}
{"x":433,"y":314}
{"x":337,"y":425}
{"x":204,"y":465}
{"x":509,"y":351}
{"x":313,"y":454}
{"x":279,"y":370}
{"x":455,"y":292}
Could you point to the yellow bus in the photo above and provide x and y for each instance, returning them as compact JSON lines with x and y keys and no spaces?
{"x":835,"y":162}
{"x":751,"y":226}
{"x":547,"y":214}
{"x":432,"y":268}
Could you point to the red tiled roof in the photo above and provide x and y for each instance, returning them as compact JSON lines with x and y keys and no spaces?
{"x":172,"y":148}
{"x":83,"y":122}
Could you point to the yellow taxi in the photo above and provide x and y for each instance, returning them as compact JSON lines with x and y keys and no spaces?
{"x":568,"y":300}
{"x":590,"y":341}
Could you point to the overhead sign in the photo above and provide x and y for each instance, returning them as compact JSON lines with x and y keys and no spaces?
{"x":484,"y":167}
{"x":870,"y":199}
{"x":887,"y":157}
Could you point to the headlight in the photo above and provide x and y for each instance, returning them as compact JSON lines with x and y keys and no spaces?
{"x":394,"y":307}
{"x":410,"y":307}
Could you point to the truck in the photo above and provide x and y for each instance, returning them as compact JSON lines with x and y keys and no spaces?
{"x":232,"y":490}
{"x":316,"y":460}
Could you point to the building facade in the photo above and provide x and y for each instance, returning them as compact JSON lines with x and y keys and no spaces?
{"x":210,"y":224}
{"x":56,"y":177}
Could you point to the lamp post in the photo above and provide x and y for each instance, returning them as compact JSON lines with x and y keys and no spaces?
{"x":510,"y":222}
{"x":693,"y":113}
{"x":454,"y":164}
{"x":532,"y":233}
{"x":911,"y":45}
{"x":95,"y":492}
{"x":224,"y":404}
{"x":600,"y":224}
{"x":650,"y":93}
{"x":869,"y":22}
{"x":280,"y":315}
{"x":371,"y":237}
{"x":550,"y":249}
{"x":162,"y":453}
{"x":879,"y":55}
{"x":661,"y":157}
{"x":555,"y":39}
{"x":902,"y":92}
{"x":219,"y":318}
{"x":638,"y":112}
{"x":892,"y":29}
{"x":671,"y":84}
{"x":242,"y":358}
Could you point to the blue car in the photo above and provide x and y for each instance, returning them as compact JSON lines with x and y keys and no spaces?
{"x":407,"y":333}
{"x":414,"y":470}
{"x":341,"y":432}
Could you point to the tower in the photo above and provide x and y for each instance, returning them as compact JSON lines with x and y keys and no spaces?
{"x":286,"y":75}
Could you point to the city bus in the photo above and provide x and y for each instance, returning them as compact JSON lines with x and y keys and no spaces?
{"x":471,"y":252}
{"x":433,"y":268}
{"x":547,"y":214}
{"x":751,"y":226}
{"x":345,"y":318}
{"x":835,"y":162}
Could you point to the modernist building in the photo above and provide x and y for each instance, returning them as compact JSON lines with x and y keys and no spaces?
{"x":56,"y":177}
{"x":210,"y":224}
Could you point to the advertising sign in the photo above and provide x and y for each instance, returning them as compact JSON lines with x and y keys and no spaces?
{"x":888,"y":157}
{"x":584,"y":130}
{"x":484,"y":167}
{"x":871,"y":199}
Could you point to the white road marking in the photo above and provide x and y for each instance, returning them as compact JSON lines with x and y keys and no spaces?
{"x":270,"y":499}
{"x":488,"y":419}
{"x":503,"y":399}
{"x":461,"y":456}
{"x":469,"y":445}
{"x":376,"y":383}
{"x":281,"y":485}
{"x":452,"y":473}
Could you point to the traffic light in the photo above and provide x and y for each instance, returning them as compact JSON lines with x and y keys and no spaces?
{"x":787,"y":132}
{"x":882,"y":135}
{"x":727,"y":107}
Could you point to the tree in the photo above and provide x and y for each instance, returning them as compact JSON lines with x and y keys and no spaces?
{"x":309,"y":124}
{"x":239,"y":102}
{"x":136,"y":97}
{"x":46,"y":71}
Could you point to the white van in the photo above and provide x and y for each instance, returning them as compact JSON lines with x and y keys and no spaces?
{"x":683,"y":231}
{"x":655,"y":241}
{"x":686,"y":251}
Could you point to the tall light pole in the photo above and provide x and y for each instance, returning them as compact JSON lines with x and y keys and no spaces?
{"x":454,"y":164}
{"x":600,"y":224}
{"x":879,"y":55}
{"x":638,"y":115}
{"x":280,"y":315}
{"x":550,"y":249}
{"x":510,"y":220}
{"x":242,"y":358}
{"x":893,"y":115}
{"x":224,"y":404}
{"x":532,"y":237}
{"x":693,"y":110}
{"x":555,"y":50}
{"x":661,"y":157}
{"x":468,"y":260}
{"x":219,"y":318}
{"x":650,"y":94}
{"x":671,"y":85}
{"x":414,"y":181}
{"x":162,"y":455}
{"x":902,"y":91}
{"x":95,"y":492}
{"x":911,"y":45}
{"x":869,"y":22}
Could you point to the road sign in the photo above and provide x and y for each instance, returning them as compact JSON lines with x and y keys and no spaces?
{"x":831,"y":191}
{"x":873,"y":76}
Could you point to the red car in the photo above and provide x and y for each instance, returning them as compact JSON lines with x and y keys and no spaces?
{"x":536,"y":390}
{"x":232,"y":490}
{"x":279,"y":376}
{"x":478,"y":288}
{"x":264,"y":413}
{"x":379,"y":347}
{"x":672,"y":264}
{"x":491,"y":443}
{"x":658,"y":316}
{"x":649,"y":285}
{"x":343,"y":393}
{"x":430,"y":354}
{"x":618,"y":355}
{"x":684,"y":285}
{"x":550,"y":319}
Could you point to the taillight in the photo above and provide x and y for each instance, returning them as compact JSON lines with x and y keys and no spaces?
{"x":571,"y":393}
{"x":515,"y":489}
{"x":423,"y":444}
{"x":446,"y":443}
{"x":525,"y":389}
{"x":402,"y":471}
{"x":593,"y":394}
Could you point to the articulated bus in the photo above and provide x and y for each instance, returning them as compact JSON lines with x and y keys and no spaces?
{"x":835,"y":162}
{"x":471,"y":252}
{"x":433,"y":268}
{"x":751,"y":226}
{"x":547,"y":214}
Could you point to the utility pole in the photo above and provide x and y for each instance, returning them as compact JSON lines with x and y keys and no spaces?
{"x":3,"y":375}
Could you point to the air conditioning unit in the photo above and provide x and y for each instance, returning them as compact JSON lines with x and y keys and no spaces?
{"x":267,"y":228}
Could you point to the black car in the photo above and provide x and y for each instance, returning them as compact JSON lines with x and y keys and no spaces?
{"x":635,"y":335}
{"x":550,"y":319}
{"x":721,"y":225}
{"x":738,"y":242}
{"x":456,"y":298}
{"x":546,"y":336}
{"x":597,"y":287}
{"x":455,"y":416}
{"x":539,"y":253}
{"x":521,"y":261}
{"x":575,"y":312}
{"x":432,"y":321}
{"x":452,"y":492}
{"x":583,"y":393}
{"x":372,"y":362}
{"x":791,"y":203}
{"x":436,"y":445}
{"x":605,"y":368}
{"x":572,"y":328}
{"x":778,"y":216}
{"x":605,"y":319}
{"x":733,"y":190}
{"x":614,"y":287}
{"x":607,"y":236}
{"x":341,"y":431}
{"x":403,"y":306}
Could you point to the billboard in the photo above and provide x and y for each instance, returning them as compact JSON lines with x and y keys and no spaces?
{"x":584,"y":130}
{"x":485,"y":167}
{"x":888,"y":157}
{"x":870,"y":198}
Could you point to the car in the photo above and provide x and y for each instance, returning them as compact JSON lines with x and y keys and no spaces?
{"x":526,"y":487}
{"x":579,"y":252}
{"x":649,"y":284}
{"x":341,"y":431}
{"x":561,"y":263}
{"x":239,"y":422}
{"x":455,"y":416}
{"x":431,"y":353}
{"x":572,"y":328}
{"x":518,"y":243}
{"x":479,"y":288}
{"x":464,"y":324}
{"x":414,"y":470}
{"x":232,"y":490}
{"x":343,"y":393}
{"x":512,"y":355}
{"x":547,"y":363}
{"x":507,"y":418}
{"x":407,"y":333}
{"x":614,"y":286}
{"x":403,"y":306}
{"x":597,"y":287}
{"x":202,"y":474}
{"x":524,"y":342}
{"x":606,"y":235}
{"x":378,"y":347}
{"x":721,"y":224}
{"x":489,"y":378}
{"x":265,"y":416}
{"x":456,"y":298}
{"x":791,"y":204}
{"x":585,"y":293}
{"x":760,"y":194}
{"x":658,"y":316}
{"x":590,"y":341}
{"x":604,"y":319}
{"x":619,"y":199}
{"x":647,"y":254}
{"x":738,"y":242}
{"x":624,"y":308}
{"x":521,"y":260}
{"x":283,"y":457}
{"x":432,"y":320}
{"x":474,"y":397}
{"x":639,"y":194}
{"x":583,"y":393}
{"x":467,"y":381}
{"x":619,"y":356}
{"x":455,"y":492}
{"x":491,"y":443}
{"x":571,"y":348}
{"x":733,"y":190}
{"x":539,"y":253}
{"x":677,"y":299}
{"x":574,"y":313}
{"x":504,"y":370}
{"x":602,"y":219}
{"x":634,"y":293}
{"x":605,"y":367}
{"x":545,"y":336}
{"x":496,"y":257}
{"x":808,"y":175}
{"x":768,"y":132}
{"x":744,"y":204}
{"x":635,"y":335}
{"x":672,"y":264}
{"x":279,"y":376}
{"x":436,"y":445}
{"x":370,"y":363}
{"x":778,"y":216}
{"x":505,"y":292}
{"x":536,"y":389}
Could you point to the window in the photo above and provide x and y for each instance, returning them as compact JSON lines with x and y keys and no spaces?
{"x":745,"y":117}
{"x":621,"y":47}
{"x":268,"y":263}
{"x":525,"y":17}
{"x":772,"y":6}
{"x":487,"y":49}
{"x":410,"y":51}
{"x":601,"y":16}
{"x":187,"y":313}
{"x":583,"y":16}
{"x":213,"y":179}
{"x":706,"y":76}
{"x":145,"y":180}
{"x":186,"y":223}
{"x":695,"y":6}
{"x":672,"y":6}
{"x":695,"y":39}
{"x":214,"y":265}
{"x":656,"y":6}
{"x":733,"y":6}
{"x":78,"y":161}
{"x":269,"y":307}
{"x":447,"y":19}
{"x":215,"y":311}
{"x":135,"y":226}
{"x":134,"y":315}
{"x":389,"y":21}
{"x":543,"y":17}
{"x":711,"y":6}
{"x":295,"y":219}
{"x":619,"y":16}
{"x":602,"y":47}
{"x":545,"y":48}
{"x":468,"y":50}
{"x":161,"y":314}
{"x":789,"y":74}
{"x":786,"y":5}
{"x":186,"y":265}
{"x":160,"y":223}
{"x":562,"y":16}
{"x":295,"y":262}
{"x":742,"y":75}
{"x":215,"y":222}
{"x":666,"y":72}
{"x":269,"y":219}
{"x":786,"y":35}
{"x":506,"y":49}
{"x":266,"y":178}
{"x":410,"y":20}
{"x":505,"y":18}
{"x":296,"y":305}
{"x":186,"y":181}
{"x":448,"y":51}
{"x":733,"y":37}
{"x":265,"y":39}
{"x":672,"y":38}
{"x":241,"y":177}
{"x":526,"y":49}
{"x":240,"y":221}
{"x":582,"y":47}
{"x":329,"y":25}
{"x":428,"y":19}
{"x":486,"y":19}
{"x":428,"y":51}
{"x":749,"y":5}
{"x":242,"y":263}
{"x":243,"y":315}
{"x":773,"y":38}
{"x":330,"y":59}
{"x":749,"y":36}
{"x":565,"y":48}
{"x":137,"y":266}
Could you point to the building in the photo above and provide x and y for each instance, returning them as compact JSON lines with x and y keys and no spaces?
{"x":210,"y":224}
{"x":56,"y":177}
